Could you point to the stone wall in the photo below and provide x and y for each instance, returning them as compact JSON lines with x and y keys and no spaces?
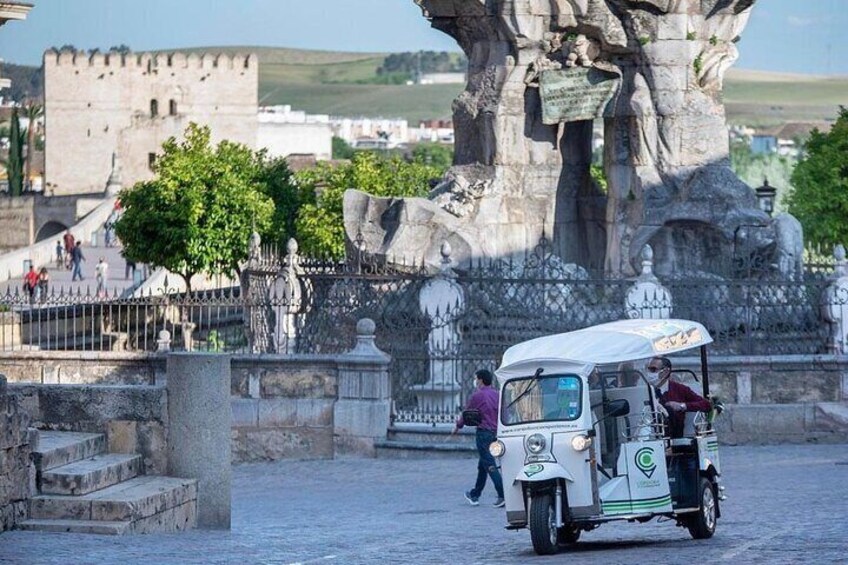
{"x":101,"y":104}
{"x":18,"y":221}
{"x":17,"y":474}
{"x":780,"y":399}
{"x":82,"y":367}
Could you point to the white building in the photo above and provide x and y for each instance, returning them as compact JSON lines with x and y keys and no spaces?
{"x":283,"y":132}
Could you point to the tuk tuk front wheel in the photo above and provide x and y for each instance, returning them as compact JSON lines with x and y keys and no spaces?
{"x":543,"y":530}
{"x":702,"y":524}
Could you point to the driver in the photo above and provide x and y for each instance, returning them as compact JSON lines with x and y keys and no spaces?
{"x":675,"y":397}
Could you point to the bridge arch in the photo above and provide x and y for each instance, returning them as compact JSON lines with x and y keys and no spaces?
{"x":50,"y":229}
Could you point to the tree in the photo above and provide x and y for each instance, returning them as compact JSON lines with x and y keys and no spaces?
{"x":198,"y":214}
{"x":435,"y":154}
{"x":279,"y":184}
{"x":319,"y":224}
{"x":342,"y":149}
{"x":15,"y":163}
{"x":820,"y":198}
{"x":33,"y":111}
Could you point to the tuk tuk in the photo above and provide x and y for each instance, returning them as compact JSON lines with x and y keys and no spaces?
{"x":584,"y":440}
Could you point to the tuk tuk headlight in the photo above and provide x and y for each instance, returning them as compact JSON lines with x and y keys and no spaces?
{"x":497,"y":448}
{"x":536,"y":443}
{"x":581,"y":442}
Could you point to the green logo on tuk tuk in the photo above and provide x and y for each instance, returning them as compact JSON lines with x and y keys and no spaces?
{"x":645,"y":461}
{"x":533,"y":469}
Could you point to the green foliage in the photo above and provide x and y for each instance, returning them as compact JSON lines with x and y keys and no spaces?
{"x":698,"y":65}
{"x":197,"y":215}
{"x":644,"y":40}
{"x":600,"y":177}
{"x":755,"y":169}
{"x":434,"y":154}
{"x":714,"y":40}
{"x":423,"y":61}
{"x":33,"y":111}
{"x":278,"y":183}
{"x":690,"y":36}
{"x":820,"y":198}
{"x":15,"y":163}
{"x":342,"y":149}
{"x":320,"y":228}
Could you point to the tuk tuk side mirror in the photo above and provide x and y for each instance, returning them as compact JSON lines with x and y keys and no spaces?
{"x":617,"y":408}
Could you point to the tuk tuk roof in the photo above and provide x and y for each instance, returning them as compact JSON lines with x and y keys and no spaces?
{"x":615,"y":342}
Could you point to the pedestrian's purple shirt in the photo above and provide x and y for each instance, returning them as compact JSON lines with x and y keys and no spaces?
{"x":484,"y":399}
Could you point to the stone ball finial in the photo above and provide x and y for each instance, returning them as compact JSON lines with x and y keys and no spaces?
{"x":647,"y":253}
{"x":164,"y":335}
{"x":366,"y":327}
{"x":292,"y":246}
{"x":446,"y":251}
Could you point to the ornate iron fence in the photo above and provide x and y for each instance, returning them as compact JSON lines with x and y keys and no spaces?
{"x":438,"y":327}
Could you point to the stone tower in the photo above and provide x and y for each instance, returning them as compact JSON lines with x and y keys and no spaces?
{"x":129,"y":104}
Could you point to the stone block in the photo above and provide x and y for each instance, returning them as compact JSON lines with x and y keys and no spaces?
{"x":362,"y":418}
{"x":315,"y":413}
{"x":245,"y":412}
{"x":122,"y":436}
{"x":153,"y":447}
{"x":299,"y":383}
{"x":277,"y":412}
{"x":282,"y":443}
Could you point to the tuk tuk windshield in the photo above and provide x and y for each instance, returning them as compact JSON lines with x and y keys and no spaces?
{"x":541,"y":399}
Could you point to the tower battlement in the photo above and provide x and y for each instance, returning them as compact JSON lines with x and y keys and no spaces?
{"x":151,"y":62}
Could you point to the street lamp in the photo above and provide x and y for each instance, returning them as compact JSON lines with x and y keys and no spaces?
{"x":765,"y":197}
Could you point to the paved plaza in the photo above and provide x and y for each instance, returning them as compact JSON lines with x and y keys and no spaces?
{"x":787,"y":505}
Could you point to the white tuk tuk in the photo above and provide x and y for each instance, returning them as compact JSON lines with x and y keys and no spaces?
{"x":583,"y":440}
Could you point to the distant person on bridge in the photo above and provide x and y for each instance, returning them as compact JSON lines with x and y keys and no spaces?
{"x":76,"y":261}
{"x":60,"y":254}
{"x":101,"y":274}
{"x":31,"y":283}
{"x":69,"y":249}
{"x":43,"y":284}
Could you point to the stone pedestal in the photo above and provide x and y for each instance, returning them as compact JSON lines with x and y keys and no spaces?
{"x":199,"y":417}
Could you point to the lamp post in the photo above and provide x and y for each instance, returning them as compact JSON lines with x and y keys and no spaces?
{"x":765,"y":197}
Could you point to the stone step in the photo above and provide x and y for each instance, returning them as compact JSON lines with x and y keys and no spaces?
{"x":56,"y":449}
{"x":393,"y":449}
{"x":423,"y":433}
{"x":77,"y":526}
{"x":89,"y":475}
{"x":135,"y":500}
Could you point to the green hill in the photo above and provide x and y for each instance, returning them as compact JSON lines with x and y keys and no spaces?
{"x":344,"y":83}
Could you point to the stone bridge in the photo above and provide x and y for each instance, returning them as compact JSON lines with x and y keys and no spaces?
{"x":35,"y":217}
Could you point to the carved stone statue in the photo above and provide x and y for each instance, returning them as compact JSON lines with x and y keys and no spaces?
{"x":540,"y":73}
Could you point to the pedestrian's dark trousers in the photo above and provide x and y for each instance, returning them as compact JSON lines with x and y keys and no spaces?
{"x":486,"y":464}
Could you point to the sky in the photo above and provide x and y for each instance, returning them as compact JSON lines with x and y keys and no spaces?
{"x":796,"y":36}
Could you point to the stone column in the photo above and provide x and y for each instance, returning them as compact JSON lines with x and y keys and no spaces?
{"x":835,"y":304}
{"x":442,"y":300}
{"x":648,"y":299}
{"x":362,"y":412}
{"x":17,"y":474}
{"x":199,"y":418}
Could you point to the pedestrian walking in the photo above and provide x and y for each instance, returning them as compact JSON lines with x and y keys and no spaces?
{"x":76,"y":262}
{"x":60,"y":254}
{"x":482,"y":412}
{"x":70,"y":244}
{"x":101,"y":274}
{"x":43,"y":284}
{"x":31,"y":283}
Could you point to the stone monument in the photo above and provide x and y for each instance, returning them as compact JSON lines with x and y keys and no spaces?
{"x":540,"y":74}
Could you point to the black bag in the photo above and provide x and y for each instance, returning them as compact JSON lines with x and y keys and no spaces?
{"x":472,"y":417}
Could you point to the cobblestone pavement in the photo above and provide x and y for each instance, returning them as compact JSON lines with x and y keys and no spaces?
{"x":787,"y":505}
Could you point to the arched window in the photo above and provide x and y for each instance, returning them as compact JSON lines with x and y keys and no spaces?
{"x":154,"y":108}
{"x":172,"y":107}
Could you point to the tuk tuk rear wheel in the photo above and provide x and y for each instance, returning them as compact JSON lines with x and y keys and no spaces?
{"x":702,"y":524}
{"x":543,"y":530}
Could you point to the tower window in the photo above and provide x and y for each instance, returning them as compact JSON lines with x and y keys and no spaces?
{"x":172,"y":107}
{"x":151,"y":160}
{"x":154,"y":108}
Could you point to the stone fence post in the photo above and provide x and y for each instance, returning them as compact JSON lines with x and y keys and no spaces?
{"x":648,"y":299}
{"x":442,"y":300}
{"x":362,"y":412}
{"x":17,"y":474}
{"x":199,"y":422}
{"x":835,"y":304}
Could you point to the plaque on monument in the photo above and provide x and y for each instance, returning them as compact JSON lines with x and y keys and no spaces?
{"x":576,"y":94}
